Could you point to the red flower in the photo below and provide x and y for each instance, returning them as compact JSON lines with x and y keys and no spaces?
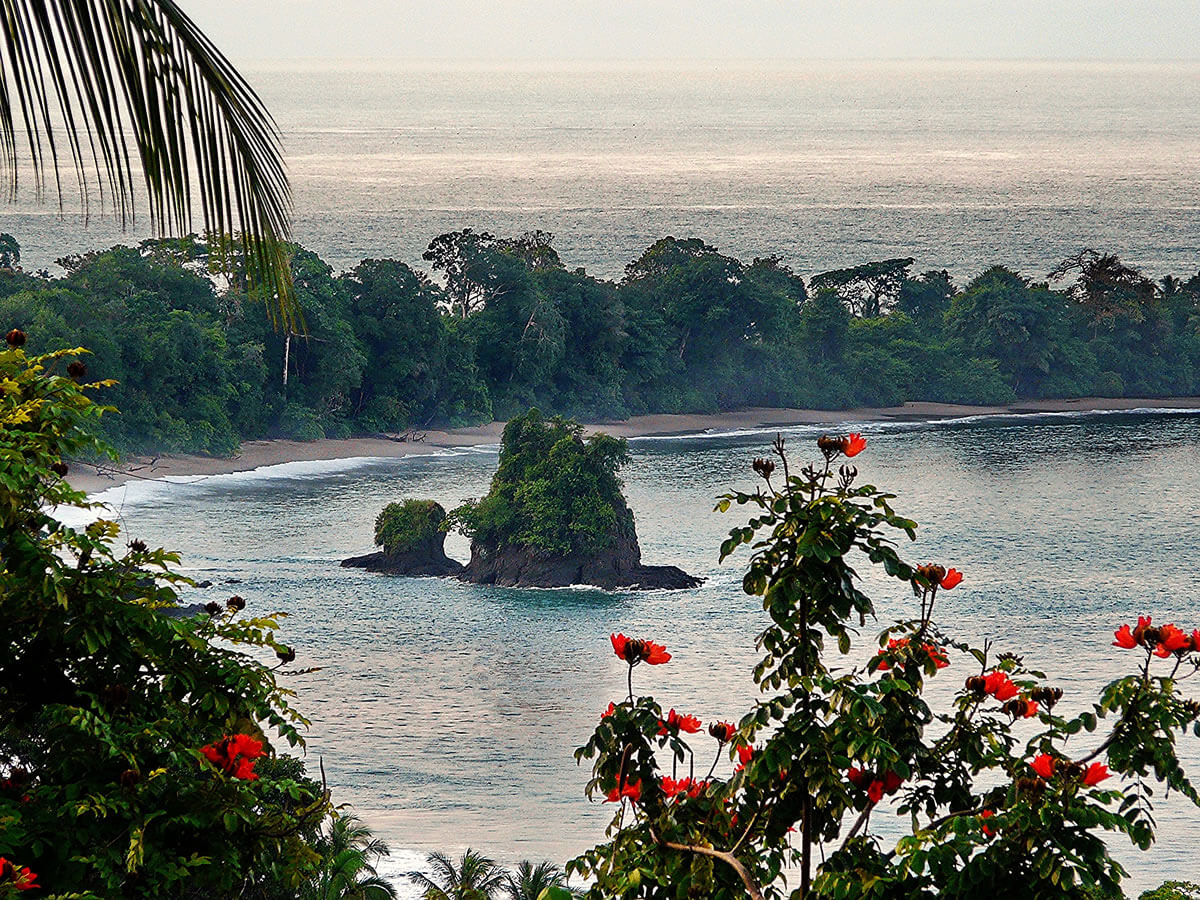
{"x":634,"y":651}
{"x":1095,"y":774}
{"x":1031,"y":709}
{"x":21,"y":879}
{"x":853,"y":444}
{"x":676,"y":723}
{"x":937,"y":654}
{"x":688,"y":786}
{"x":951,"y":580}
{"x":612,"y":708}
{"x":235,"y":755}
{"x":722,"y":731}
{"x":745,"y":754}
{"x":1000,"y":686}
{"x":891,"y":782}
{"x":1140,"y":631}
{"x":987,"y":814}
{"x":1044,"y":765}
{"x":893,"y":644}
{"x":632,"y":790}
{"x":1124,"y":638}
{"x":1170,"y":640}
{"x":875,"y":791}
{"x":858,"y":777}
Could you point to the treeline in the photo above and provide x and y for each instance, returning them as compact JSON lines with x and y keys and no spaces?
{"x":503,"y":325}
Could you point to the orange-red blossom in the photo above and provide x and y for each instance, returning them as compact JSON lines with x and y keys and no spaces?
{"x":676,"y":723}
{"x":937,"y":654}
{"x":1046,"y":765}
{"x":940,"y":577}
{"x":875,"y":786}
{"x":635,"y":651}
{"x":235,"y":755}
{"x":853,"y":444}
{"x":690,"y":787}
{"x":18,"y":878}
{"x":1164,"y":640}
{"x":631,"y":790}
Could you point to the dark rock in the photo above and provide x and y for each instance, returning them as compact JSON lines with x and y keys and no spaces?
{"x":617,"y":567}
{"x":428,"y":558}
{"x":204,"y":584}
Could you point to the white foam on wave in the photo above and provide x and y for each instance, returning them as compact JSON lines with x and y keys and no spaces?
{"x":916,"y":424}
{"x":143,"y":491}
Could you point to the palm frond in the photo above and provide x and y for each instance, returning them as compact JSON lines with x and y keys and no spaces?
{"x":86,"y":78}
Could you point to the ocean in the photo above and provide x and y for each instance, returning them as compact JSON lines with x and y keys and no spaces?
{"x":446,"y":714}
{"x":961,"y":165}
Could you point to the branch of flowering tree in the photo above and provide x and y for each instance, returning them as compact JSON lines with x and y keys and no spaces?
{"x":752,"y":887}
{"x":858,"y":824}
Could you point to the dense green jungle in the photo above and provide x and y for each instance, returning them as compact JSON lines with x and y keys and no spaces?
{"x":501,"y":324}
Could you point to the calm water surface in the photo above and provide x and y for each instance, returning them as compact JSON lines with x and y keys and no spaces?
{"x":961,"y":165}
{"x":447,"y":713}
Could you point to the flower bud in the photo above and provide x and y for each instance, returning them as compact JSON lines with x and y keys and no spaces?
{"x":286,"y":654}
{"x":129,"y":778}
{"x":76,"y":369}
{"x":15,"y":338}
{"x":137,"y":545}
{"x":212,"y":608}
{"x":1027,"y":785}
{"x":829,"y":445}
{"x":976,"y":684}
{"x":764,"y":467}
{"x":60,"y":469}
{"x":1017,"y":708}
{"x":236,"y":603}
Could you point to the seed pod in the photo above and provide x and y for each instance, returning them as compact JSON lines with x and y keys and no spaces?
{"x":1027,"y":785}
{"x":1016,"y":708}
{"x":829,"y":445}
{"x":15,"y":338}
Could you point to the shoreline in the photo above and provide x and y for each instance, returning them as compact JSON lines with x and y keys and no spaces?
{"x":257,"y":454}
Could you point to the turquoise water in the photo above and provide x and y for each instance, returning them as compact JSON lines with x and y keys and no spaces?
{"x":447,"y":713}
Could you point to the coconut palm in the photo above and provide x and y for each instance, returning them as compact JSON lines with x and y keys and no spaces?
{"x":347,"y":868}
{"x":86,"y":79}
{"x":529,"y":881}
{"x":475,"y":877}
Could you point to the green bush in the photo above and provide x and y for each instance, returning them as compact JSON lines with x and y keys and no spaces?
{"x":554,"y":491}
{"x":405,"y":526}
{"x":128,"y":737}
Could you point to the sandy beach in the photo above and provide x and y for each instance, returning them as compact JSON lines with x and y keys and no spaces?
{"x":256,"y":454}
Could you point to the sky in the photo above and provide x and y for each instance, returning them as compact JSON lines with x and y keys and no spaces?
{"x":734,"y":30}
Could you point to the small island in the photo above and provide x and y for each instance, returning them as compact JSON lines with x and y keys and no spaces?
{"x":555,"y":516}
{"x":412,"y":536}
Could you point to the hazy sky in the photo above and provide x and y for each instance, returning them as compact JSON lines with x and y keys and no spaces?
{"x":701,"y":29}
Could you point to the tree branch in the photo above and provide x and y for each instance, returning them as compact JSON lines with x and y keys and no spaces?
{"x":729,"y":859}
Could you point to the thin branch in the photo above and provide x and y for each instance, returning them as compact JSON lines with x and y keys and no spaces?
{"x":752,"y":888}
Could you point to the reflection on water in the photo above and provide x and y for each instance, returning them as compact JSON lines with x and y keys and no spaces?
{"x":447,"y":713}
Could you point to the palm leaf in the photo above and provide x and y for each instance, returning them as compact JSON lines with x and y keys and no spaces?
{"x":85,"y":79}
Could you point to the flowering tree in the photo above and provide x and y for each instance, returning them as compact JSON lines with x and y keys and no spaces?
{"x":991,"y":814}
{"x":129,"y":737}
